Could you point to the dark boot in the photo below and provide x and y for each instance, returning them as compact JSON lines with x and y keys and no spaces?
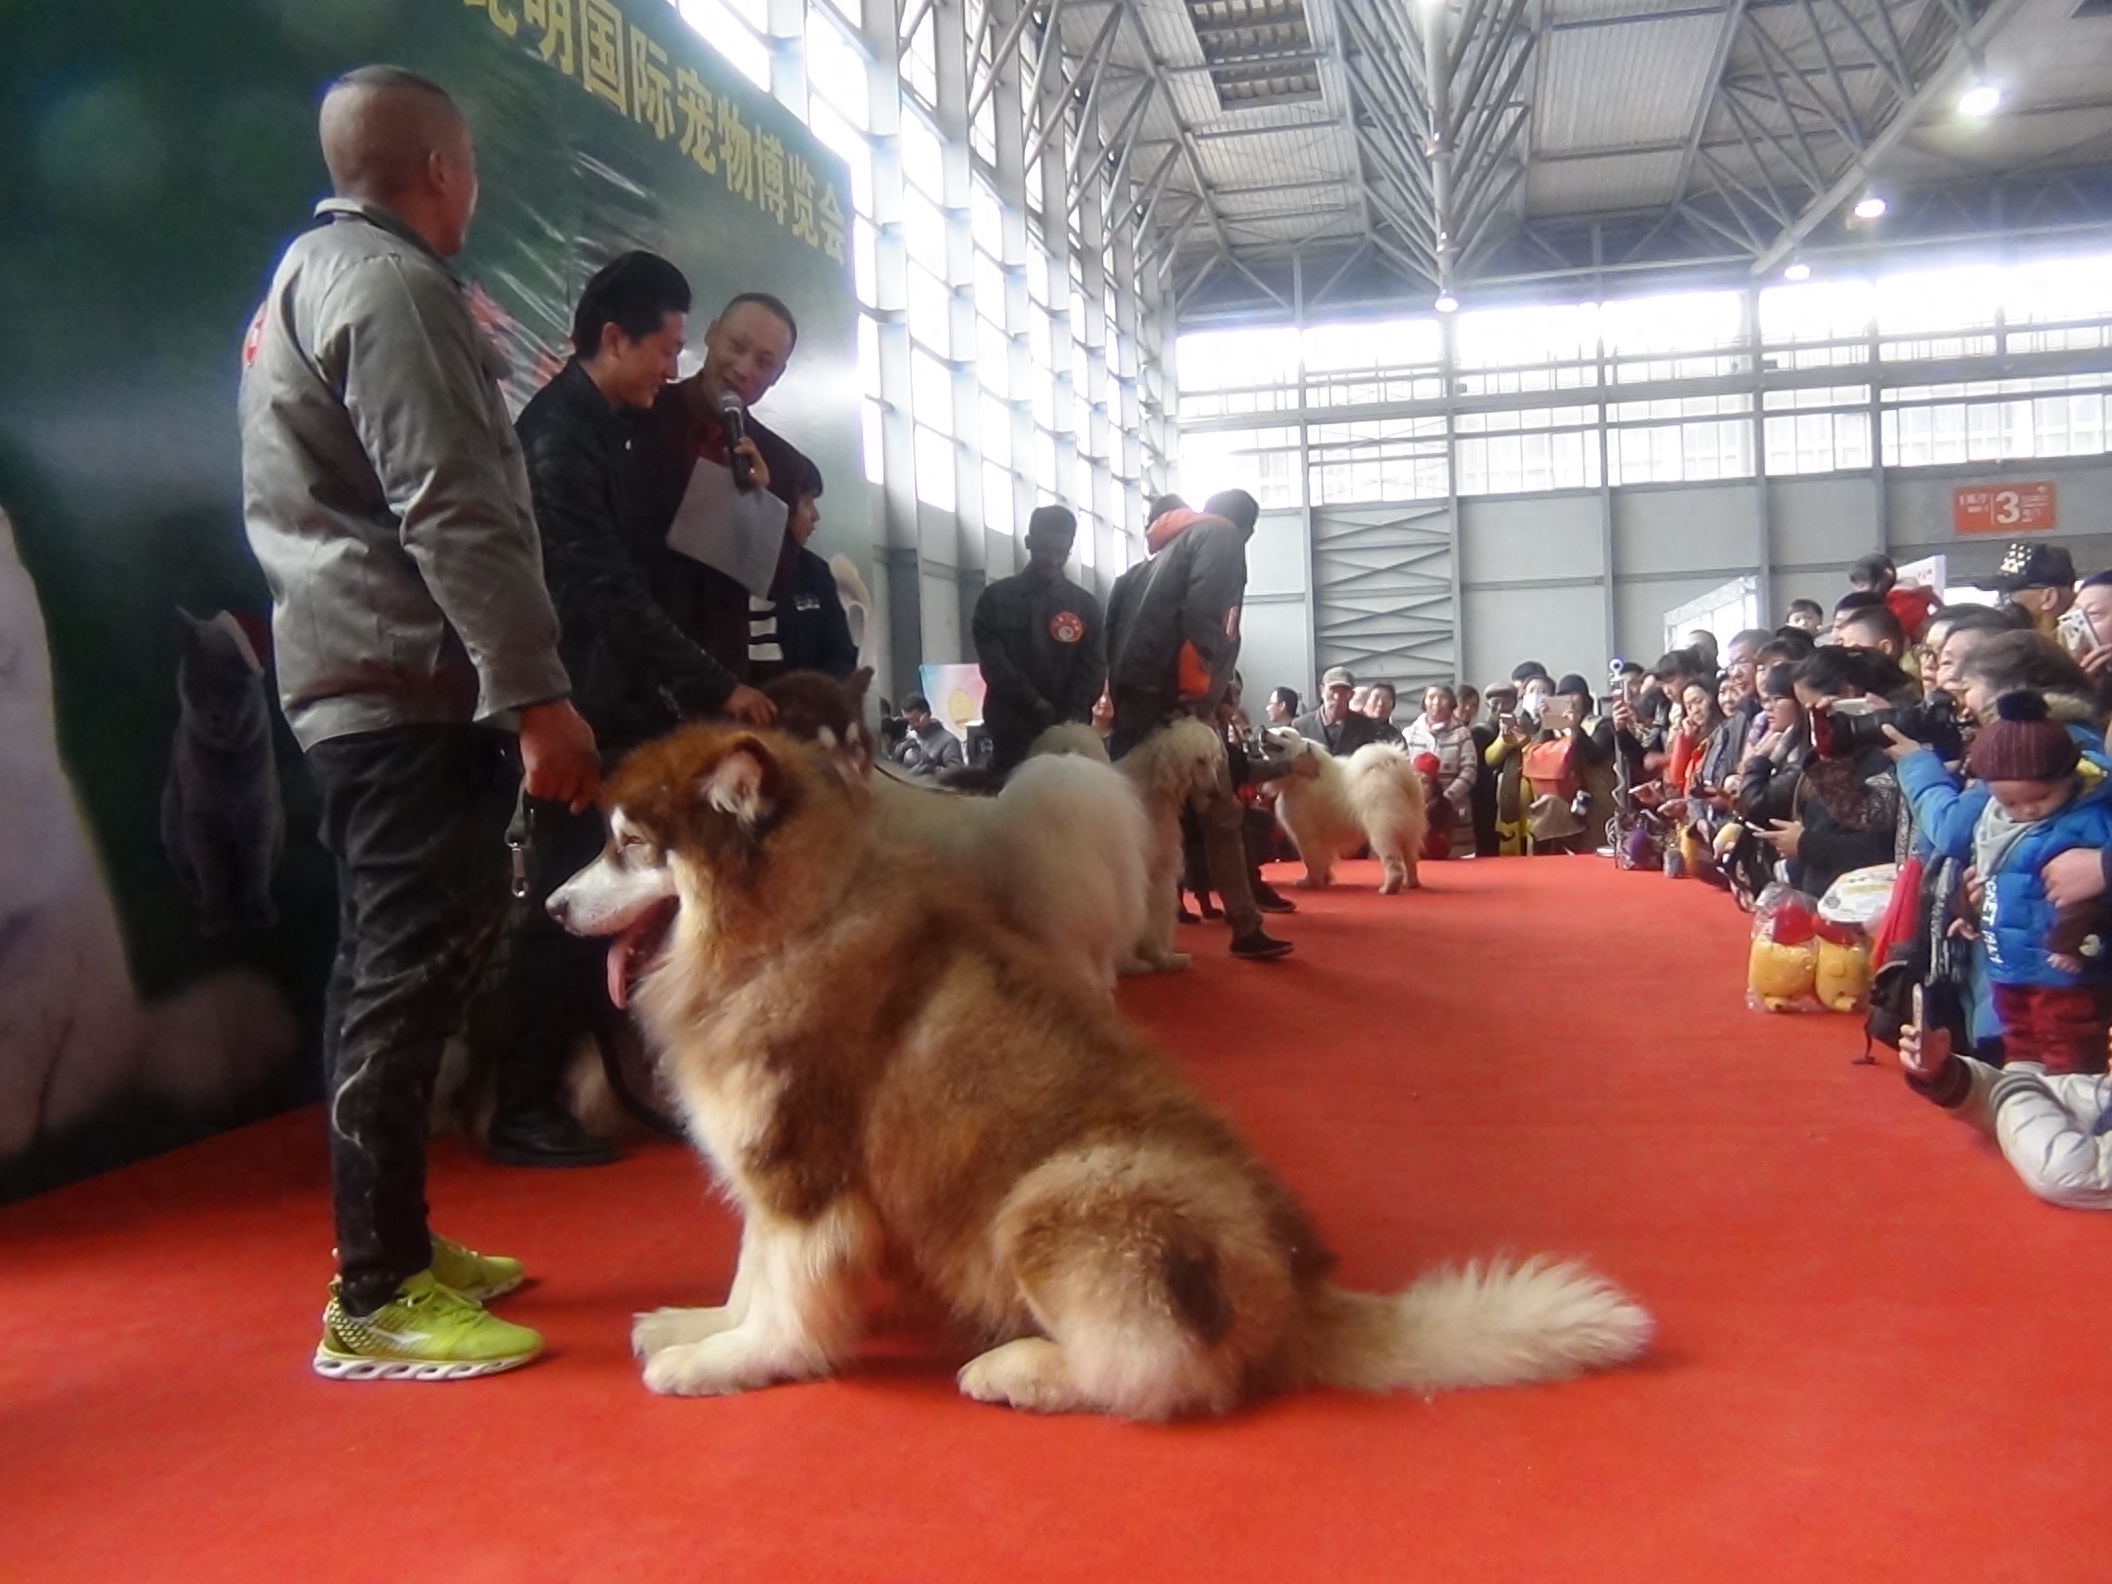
{"x":1269,"y":899}
{"x":1257,"y":945}
{"x":547,"y":1138}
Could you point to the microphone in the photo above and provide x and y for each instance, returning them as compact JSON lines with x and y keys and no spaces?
{"x":733,"y":421}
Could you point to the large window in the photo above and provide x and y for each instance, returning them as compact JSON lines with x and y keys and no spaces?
{"x":1521,"y":399}
{"x":990,"y":375}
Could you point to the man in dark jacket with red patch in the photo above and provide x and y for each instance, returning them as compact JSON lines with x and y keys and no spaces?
{"x":1173,"y":640}
{"x":1041,"y":642}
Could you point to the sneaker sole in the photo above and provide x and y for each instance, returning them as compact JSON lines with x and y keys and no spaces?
{"x":351,"y":1366}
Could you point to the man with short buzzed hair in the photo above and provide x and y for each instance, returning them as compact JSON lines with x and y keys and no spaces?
{"x":1041,"y":643}
{"x":415,"y":644}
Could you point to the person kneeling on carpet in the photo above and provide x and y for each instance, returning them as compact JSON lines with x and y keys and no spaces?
{"x":2054,"y":1129}
{"x":2035,"y":798}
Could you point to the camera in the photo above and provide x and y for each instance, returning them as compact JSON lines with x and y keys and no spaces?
{"x":1843,"y":733}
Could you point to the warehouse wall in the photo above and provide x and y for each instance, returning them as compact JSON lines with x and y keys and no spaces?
{"x":1533,"y":568}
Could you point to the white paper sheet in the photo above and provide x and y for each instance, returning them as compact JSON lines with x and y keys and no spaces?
{"x":739,"y":532}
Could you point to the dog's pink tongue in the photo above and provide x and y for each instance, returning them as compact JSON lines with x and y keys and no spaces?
{"x":620,"y":968}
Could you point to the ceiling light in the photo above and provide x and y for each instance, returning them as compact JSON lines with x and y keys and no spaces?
{"x":1981,"y":99}
{"x":1446,"y":303}
{"x":1869,"y":207}
{"x":1797,"y":272}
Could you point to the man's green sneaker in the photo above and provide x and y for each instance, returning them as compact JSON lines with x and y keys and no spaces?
{"x":426,"y":1332}
{"x":481,"y":1277}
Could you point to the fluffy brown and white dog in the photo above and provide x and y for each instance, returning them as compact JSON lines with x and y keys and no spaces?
{"x":1061,"y":853}
{"x":1331,"y":807}
{"x":876,"y":1066}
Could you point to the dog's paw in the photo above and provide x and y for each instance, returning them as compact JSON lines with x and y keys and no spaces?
{"x":666,"y":1328}
{"x":714,"y":1367}
{"x":1029,"y":1373}
{"x":1172,"y":962}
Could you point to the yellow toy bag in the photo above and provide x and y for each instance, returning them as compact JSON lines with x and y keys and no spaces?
{"x":1782,"y":970}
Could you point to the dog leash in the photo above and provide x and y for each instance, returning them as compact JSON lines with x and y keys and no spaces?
{"x":517,"y":832}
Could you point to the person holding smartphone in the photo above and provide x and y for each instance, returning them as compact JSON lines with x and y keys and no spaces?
{"x":2092,"y":616}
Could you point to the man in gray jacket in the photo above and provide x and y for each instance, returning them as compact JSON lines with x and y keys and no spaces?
{"x":384,"y":496}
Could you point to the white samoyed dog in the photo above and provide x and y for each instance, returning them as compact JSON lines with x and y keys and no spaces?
{"x":1331,"y":807}
{"x":1063,"y":851}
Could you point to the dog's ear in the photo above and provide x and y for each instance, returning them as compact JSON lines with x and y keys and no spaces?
{"x":854,"y":688}
{"x":739,"y":784}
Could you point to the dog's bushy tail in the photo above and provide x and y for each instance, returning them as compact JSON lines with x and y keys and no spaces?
{"x":1491,"y":1323}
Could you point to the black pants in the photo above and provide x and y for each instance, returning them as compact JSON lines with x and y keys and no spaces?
{"x":553,"y":985}
{"x":416,"y":818}
{"x":1009,"y":743}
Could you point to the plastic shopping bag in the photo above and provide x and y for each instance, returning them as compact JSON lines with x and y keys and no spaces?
{"x":1782,"y":970}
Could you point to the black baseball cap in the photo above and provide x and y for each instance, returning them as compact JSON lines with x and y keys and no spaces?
{"x":2029,"y":566}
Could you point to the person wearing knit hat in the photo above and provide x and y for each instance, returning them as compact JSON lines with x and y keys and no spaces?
{"x":2024,"y":744}
{"x":2034,"y":798}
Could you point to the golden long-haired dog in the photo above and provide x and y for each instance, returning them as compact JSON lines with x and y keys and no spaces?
{"x":1331,"y":807}
{"x":875,"y":1065}
{"x":1172,"y":769}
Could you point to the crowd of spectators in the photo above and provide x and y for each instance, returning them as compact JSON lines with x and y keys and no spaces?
{"x":1957,"y":750}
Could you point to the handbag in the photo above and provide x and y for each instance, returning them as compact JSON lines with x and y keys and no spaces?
{"x":1924,"y":955}
{"x":1551,"y":766}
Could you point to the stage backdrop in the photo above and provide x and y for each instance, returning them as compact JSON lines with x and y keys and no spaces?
{"x":165,"y":914}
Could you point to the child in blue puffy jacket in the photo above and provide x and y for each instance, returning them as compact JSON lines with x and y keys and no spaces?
{"x":2033,"y":798}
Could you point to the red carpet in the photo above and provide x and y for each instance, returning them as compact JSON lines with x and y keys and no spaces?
{"x":1880,"y":1358}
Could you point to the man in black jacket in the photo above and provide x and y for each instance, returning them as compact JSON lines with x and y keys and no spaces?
{"x":1041,"y":642}
{"x":636,"y":672}
{"x":1173,"y":640}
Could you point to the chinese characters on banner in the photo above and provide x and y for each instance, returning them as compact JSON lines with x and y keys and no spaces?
{"x":624,"y":66}
{"x":2002,"y":508}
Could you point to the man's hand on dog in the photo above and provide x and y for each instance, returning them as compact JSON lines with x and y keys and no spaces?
{"x":748,"y":706}
{"x":558,"y":761}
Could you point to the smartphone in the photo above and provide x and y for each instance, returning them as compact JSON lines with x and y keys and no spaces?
{"x":1557,"y":714}
{"x":1914,"y":1000}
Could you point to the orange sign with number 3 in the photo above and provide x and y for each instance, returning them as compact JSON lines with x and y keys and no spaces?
{"x":2002,"y":508}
